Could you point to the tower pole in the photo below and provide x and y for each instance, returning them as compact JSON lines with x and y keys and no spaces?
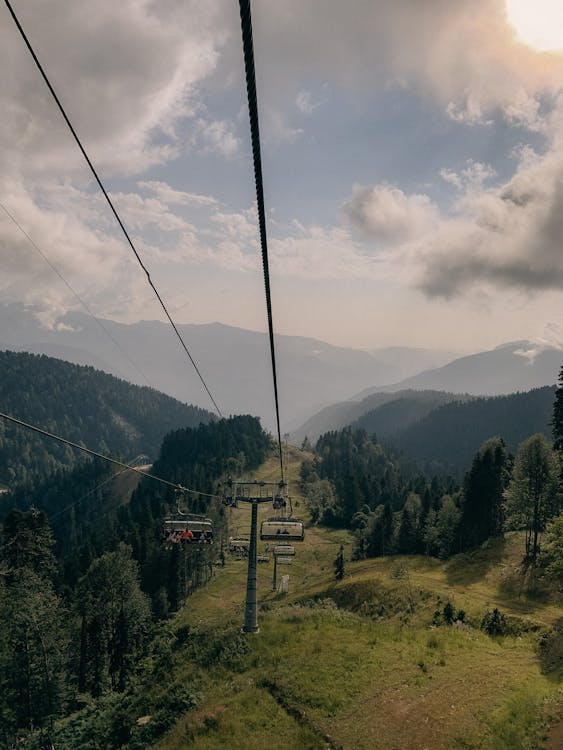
{"x":251,"y":608}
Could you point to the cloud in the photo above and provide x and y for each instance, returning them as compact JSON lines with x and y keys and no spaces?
{"x":126,"y":72}
{"x":140,"y":213}
{"x":502,"y":236}
{"x":218,"y":136}
{"x":464,"y":54}
{"x":496,"y":236}
{"x":96,"y":264}
{"x":385,"y":214}
{"x":170,"y":196}
{"x":305,"y":104}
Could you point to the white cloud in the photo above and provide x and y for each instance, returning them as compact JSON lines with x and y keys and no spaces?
{"x":218,"y":136}
{"x":140,"y":213}
{"x":169,"y":195}
{"x":462,"y":53}
{"x":472,"y":178}
{"x":504,"y":236}
{"x":385,"y":214}
{"x":127,"y":79}
{"x":304,"y":103}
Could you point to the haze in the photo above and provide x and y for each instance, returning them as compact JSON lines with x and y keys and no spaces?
{"x":412,"y":155}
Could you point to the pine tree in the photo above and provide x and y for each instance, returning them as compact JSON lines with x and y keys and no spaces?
{"x":484,"y":484}
{"x":339,"y":564}
{"x":115,"y":618}
{"x":532,"y":497}
{"x":557,"y":418}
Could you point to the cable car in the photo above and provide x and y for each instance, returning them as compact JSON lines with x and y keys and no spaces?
{"x":282,"y":530}
{"x":188,"y":529}
{"x":284,"y":550}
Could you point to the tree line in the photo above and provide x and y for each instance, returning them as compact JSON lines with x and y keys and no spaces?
{"x":83,"y":405}
{"x":80,"y":598}
{"x":354,"y":481}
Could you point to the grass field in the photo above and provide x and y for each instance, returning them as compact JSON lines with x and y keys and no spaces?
{"x":359,"y":664}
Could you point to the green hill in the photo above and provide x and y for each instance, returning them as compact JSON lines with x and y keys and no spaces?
{"x":83,"y":405}
{"x":450,"y":435}
{"x":398,"y":414}
{"x":363,"y":664}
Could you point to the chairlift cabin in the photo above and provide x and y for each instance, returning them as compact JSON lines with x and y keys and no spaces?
{"x":239,"y":545}
{"x":282,"y":530}
{"x":284,"y":550}
{"x":284,"y":560}
{"x":188,"y":529}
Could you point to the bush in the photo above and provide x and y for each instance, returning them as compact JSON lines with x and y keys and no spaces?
{"x":494,"y":623}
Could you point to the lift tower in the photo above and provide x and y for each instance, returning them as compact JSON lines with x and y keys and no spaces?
{"x":255,"y":493}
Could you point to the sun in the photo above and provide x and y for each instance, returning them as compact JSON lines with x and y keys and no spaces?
{"x":538,"y":23}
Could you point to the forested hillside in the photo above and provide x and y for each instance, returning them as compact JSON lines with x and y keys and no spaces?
{"x":401,"y":412}
{"x":404,"y":407}
{"x":448,"y":437}
{"x":83,"y":405}
{"x":78,"y":611}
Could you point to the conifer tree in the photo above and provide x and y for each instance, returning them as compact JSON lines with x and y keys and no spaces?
{"x":532,"y":496}
{"x":339,"y":564}
{"x":557,"y":418}
{"x":484,"y":485}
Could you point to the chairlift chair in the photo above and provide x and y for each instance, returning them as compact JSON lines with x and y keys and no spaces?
{"x":188,"y":529}
{"x":282,"y":530}
{"x":284,"y":550}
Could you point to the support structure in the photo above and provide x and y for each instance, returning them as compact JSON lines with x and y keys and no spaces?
{"x":275,"y":579}
{"x":251,"y":607}
{"x":241,"y":492}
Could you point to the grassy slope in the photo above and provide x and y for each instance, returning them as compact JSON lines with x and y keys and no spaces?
{"x":372,"y":672}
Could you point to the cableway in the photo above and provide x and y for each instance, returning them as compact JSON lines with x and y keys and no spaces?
{"x":110,"y":202}
{"x":75,"y":293}
{"x":191,"y":528}
{"x":248,"y":50}
{"x":109,"y":459}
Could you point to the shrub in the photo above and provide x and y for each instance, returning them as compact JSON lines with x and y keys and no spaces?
{"x":494,"y":623}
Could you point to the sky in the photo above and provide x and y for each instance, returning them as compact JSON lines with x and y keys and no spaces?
{"x":412,"y":157}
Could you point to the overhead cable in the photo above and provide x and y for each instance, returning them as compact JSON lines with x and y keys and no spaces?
{"x":109,"y":201}
{"x":110,"y":460}
{"x":248,"y":48}
{"x":78,"y":297}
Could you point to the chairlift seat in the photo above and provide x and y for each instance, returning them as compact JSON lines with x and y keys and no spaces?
{"x":282,"y":530}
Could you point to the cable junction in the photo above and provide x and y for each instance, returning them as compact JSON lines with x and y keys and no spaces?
{"x":109,"y":201}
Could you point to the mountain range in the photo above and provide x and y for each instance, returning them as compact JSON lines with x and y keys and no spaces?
{"x":314,"y":378}
{"x":234,"y":362}
{"x":515,"y":367}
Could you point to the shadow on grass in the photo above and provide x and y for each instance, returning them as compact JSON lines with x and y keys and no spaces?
{"x":550,"y":652}
{"x":525,"y":581}
{"x":470,"y":567}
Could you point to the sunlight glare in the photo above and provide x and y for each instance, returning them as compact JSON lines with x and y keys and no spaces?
{"x":538,"y":23}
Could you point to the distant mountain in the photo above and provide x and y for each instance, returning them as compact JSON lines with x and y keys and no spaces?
{"x":82,"y":405}
{"x":235,"y":362}
{"x":517,"y":366}
{"x":450,"y":435}
{"x":404,"y":358}
{"x":379,"y":413}
{"x":398,"y":414}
